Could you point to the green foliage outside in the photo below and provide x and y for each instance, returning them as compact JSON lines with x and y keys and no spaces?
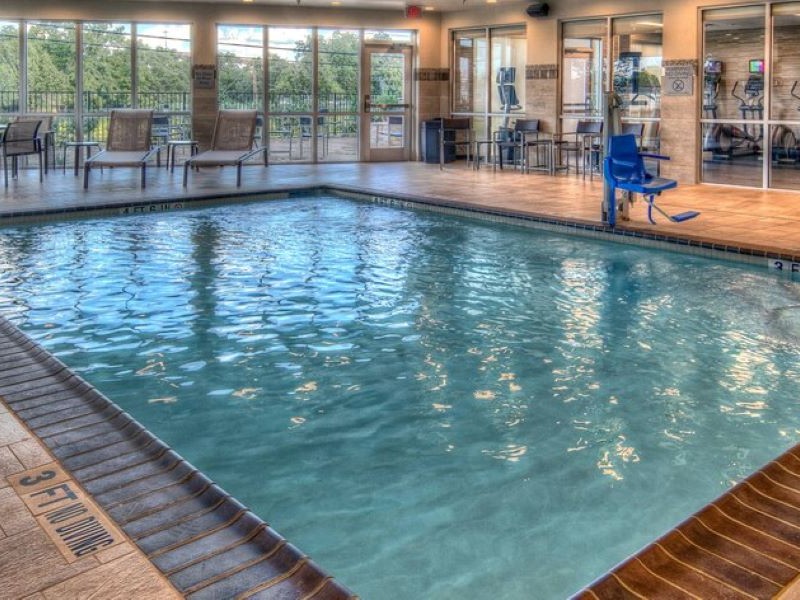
{"x":164,"y":74}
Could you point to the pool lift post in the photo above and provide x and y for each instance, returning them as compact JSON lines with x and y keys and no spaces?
{"x":612,"y":125}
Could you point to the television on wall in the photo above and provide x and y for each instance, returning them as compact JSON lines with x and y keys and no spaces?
{"x":756,"y":65}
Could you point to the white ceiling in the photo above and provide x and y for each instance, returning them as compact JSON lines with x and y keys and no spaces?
{"x":438,"y":5}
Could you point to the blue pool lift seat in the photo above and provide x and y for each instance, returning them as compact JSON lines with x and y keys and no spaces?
{"x":624,"y":169}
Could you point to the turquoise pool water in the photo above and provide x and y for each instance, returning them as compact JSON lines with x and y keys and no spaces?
{"x":431,"y":407}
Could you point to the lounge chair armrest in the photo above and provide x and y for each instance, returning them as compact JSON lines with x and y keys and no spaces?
{"x":153,"y":150}
{"x":656,"y":156}
{"x":253,"y":153}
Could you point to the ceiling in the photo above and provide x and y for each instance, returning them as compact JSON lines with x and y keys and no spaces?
{"x":399,"y":5}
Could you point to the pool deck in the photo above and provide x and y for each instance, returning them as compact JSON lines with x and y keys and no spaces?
{"x":746,"y":544}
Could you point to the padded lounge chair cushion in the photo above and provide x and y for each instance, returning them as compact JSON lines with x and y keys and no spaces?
{"x":219,"y":157}
{"x":112,"y":158}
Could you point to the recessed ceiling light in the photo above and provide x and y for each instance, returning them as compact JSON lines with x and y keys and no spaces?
{"x":491,"y":1}
{"x":336,"y":3}
{"x":429,"y":8}
{"x":247,"y":1}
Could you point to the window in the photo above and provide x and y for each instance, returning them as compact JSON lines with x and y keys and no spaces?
{"x":338,"y":75}
{"x":163,"y":76}
{"x":51,"y":74}
{"x":732,"y":132}
{"x":488,"y":67}
{"x":785,"y":97}
{"x":632,"y":46}
{"x":107,"y":74}
{"x":583,"y":64}
{"x":240,"y":65}
{"x":9,"y":68}
{"x":636,"y":52}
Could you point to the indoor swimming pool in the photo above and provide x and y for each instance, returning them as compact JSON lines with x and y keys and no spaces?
{"x":429,"y":406}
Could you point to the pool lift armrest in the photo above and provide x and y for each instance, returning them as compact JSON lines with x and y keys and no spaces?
{"x":623,"y":169}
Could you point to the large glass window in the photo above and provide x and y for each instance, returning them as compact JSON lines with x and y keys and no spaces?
{"x":733,"y":95}
{"x":9,"y":69}
{"x":241,"y":67}
{"x":51,"y":74}
{"x":785,"y":97}
{"x":632,"y":46}
{"x":163,"y":71}
{"x":583,"y":66}
{"x":488,"y":68}
{"x":338,"y":76}
{"x":470,"y":71}
{"x":107,"y":74}
{"x":636,"y":58}
{"x":290,"y":70}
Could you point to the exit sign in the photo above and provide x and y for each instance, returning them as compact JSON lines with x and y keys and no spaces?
{"x":413,"y":12}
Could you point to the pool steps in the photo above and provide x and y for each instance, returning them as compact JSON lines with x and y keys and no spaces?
{"x":202,"y":539}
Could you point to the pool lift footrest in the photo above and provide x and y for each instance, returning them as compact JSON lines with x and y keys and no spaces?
{"x":679,"y":218}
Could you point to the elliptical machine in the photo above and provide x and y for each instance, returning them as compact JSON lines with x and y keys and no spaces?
{"x":723,"y":140}
{"x":712,"y":74}
{"x":751,"y":104}
{"x":784,"y":141}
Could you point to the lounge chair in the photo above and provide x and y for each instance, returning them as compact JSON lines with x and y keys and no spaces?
{"x":128,"y":143}
{"x":232,"y":144}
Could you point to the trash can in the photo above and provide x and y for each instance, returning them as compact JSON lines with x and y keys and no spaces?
{"x":429,"y":142}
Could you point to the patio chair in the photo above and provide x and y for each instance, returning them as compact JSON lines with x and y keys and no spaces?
{"x":449,"y":138}
{"x":231,"y":145}
{"x":21,"y":138}
{"x":128,"y":143}
{"x":578,"y":142}
{"x":514,"y":142}
{"x":624,"y":169}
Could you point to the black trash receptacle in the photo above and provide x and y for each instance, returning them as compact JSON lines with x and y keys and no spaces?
{"x":429,"y":142}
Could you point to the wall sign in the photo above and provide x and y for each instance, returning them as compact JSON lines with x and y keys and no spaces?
{"x":678,"y":80}
{"x":204,"y":77}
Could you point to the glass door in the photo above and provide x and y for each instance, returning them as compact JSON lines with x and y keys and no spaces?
{"x":386,"y":116}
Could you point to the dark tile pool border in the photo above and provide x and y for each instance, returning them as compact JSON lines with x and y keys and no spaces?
{"x":202,"y":539}
{"x":713,"y":248}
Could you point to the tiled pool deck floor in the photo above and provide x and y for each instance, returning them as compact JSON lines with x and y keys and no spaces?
{"x":744,"y":545}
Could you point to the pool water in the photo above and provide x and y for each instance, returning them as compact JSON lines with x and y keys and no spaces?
{"x":430,"y":406}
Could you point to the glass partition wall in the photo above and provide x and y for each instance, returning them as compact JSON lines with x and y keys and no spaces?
{"x":620,"y":53}
{"x":750,"y":121}
{"x":488,"y":66}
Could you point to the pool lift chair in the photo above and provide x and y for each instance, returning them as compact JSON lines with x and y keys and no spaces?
{"x":232,"y":144}
{"x":129,"y":143}
{"x":623,"y":169}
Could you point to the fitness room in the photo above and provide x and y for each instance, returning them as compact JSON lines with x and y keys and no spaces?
{"x":751,"y":96}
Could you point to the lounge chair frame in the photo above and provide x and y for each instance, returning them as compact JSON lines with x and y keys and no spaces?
{"x":232,"y":144}
{"x":129,"y":143}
